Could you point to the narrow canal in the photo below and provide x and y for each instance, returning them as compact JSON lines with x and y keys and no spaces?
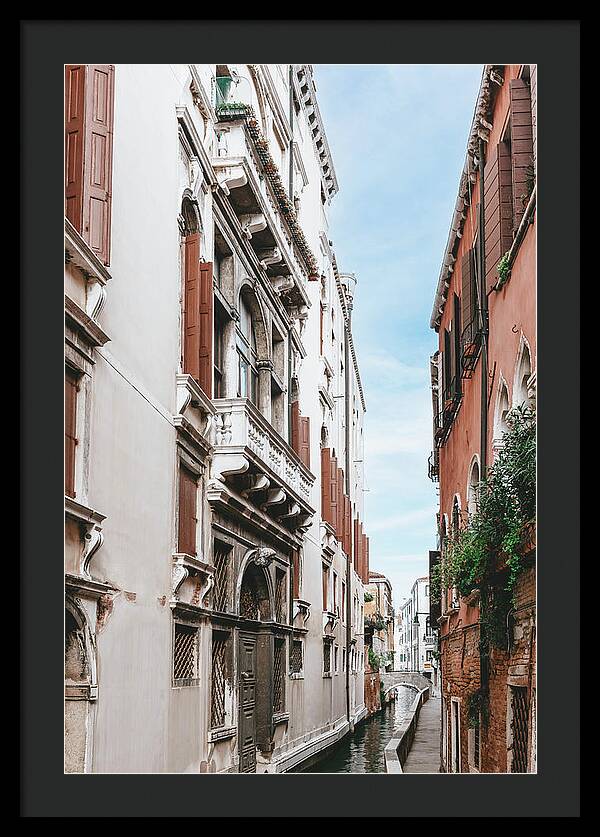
{"x":362,"y":752}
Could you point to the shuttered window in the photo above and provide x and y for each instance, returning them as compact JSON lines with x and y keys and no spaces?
{"x":339,"y":528}
{"x":468,"y":298}
{"x":325,"y":484}
{"x":188,"y":491}
{"x":333,"y":491}
{"x":71,"y":390}
{"x":456,"y":329}
{"x":521,"y":140}
{"x":348,"y":526}
{"x":301,"y":434}
{"x":498,"y":209}
{"x":89,"y":113}
{"x":325,"y":587}
{"x":205,"y":377}
{"x":198,"y":315}
{"x":296,"y":573}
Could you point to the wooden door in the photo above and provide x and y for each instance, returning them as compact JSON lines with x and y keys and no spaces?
{"x":247,"y":686}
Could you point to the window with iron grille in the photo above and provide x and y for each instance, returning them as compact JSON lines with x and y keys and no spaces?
{"x":280,"y":597}
{"x":279,"y":676}
{"x":185,"y":656}
{"x":326,"y":658}
{"x":71,"y":441}
{"x":296,"y":655}
{"x":220,"y":647}
{"x":222,"y":562}
{"x":519,"y":727}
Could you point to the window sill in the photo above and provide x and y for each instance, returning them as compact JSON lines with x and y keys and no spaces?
{"x":281,"y":717}
{"x":297,"y":675}
{"x":221,"y":734}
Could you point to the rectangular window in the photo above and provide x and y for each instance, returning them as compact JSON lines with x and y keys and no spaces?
{"x":456,"y":346}
{"x":220,"y":673}
{"x":279,"y":676}
{"x":222,"y":560}
{"x":188,"y":492}
{"x":335,"y":584}
{"x":296,"y":657}
{"x":296,"y":573}
{"x":325,"y":587}
{"x":335,"y":659}
{"x":280,"y":597}
{"x":185,"y":656}
{"x":326,"y":658}
{"x":519,"y":729}
{"x":343,"y":659}
{"x":71,"y":390}
{"x":343,"y":601}
{"x":218,"y":352}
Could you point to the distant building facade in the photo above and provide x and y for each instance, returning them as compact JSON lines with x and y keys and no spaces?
{"x":215,"y":558}
{"x":418,"y":638}
{"x":379,"y":619}
{"x":485,"y":315}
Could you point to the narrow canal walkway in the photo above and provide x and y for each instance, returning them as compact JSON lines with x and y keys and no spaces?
{"x":424,"y":755}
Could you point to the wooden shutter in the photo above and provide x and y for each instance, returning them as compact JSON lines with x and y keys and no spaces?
{"x":333,"y":492}
{"x":188,"y":490}
{"x":468,"y":296}
{"x":97,"y":168}
{"x":325,"y":484}
{"x":498,"y":209}
{"x":365,"y":559}
{"x":295,"y":573}
{"x":348,"y":526}
{"x":191,"y":339}
{"x":74,"y":142}
{"x":456,"y":326}
{"x":521,"y":141}
{"x":451,"y":361}
{"x":205,"y":378}
{"x":304,"y":440}
{"x":296,"y":426}
{"x":71,"y":389}
{"x":339,"y":528}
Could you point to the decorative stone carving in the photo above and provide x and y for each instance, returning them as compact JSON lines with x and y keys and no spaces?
{"x":293,"y":510}
{"x":95,"y":299}
{"x":223,"y":428}
{"x":281,"y":284}
{"x":92,"y":541}
{"x":225,"y":465}
{"x":179,"y":573}
{"x":252,"y":223}
{"x":264,"y":556}
{"x":231,"y":177}
{"x":302,"y":609}
{"x":274,"y":497}
{"x":258,"y":482}
{"x":271,"y":256}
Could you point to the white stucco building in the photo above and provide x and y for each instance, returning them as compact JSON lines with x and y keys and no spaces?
{"x":417,"y":637}
{"x":215,"y":555}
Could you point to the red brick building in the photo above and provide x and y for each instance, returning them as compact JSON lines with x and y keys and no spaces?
{"x":485,"y":314}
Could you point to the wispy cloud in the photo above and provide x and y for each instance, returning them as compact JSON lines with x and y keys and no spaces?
{"x":398,"y":135}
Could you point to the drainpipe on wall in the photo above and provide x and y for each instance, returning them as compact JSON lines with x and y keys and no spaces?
{"x":291,"y":161}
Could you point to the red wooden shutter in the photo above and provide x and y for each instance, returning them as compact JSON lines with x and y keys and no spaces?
{"x":304,"y":440}
{"x":296,"y":574}
{"x":498,"y":209}
{"x":97,"y":169}
{"x":74,"y":142}
{"x":188,"y":489}
{"x":521,"y":141}
{"x":348,"y":526}
{"x":333,"y":492}
{"x":191,"y":342}
{"x":325,"y":484}
{"x":206,"y":328}
{"x":356,"y":549}
{"x":71,"y":389}
{"x":339,"y":527}
{"x":468,"y":296}
{"x":296,"y":426}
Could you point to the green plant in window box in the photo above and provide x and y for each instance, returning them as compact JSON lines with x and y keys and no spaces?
{"x":503,"y":269}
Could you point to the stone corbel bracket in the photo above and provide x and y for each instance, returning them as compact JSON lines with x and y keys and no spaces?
{"x":231,"y":177}
{"x":271,"y":256}
{"x":226,"y":464}
{"x":274,"y":497}
{"x":252,"y":223}
{"x":258,"y":482}
{"x":90,"y":524}
{"x":281,"y":284}
{"x":302,"y":609}
{"x":95,"y":298}
{"x":330,"y":620}
{"x":185,"y":565}
{"x":293,"y":511}
{"x":262,"y":556}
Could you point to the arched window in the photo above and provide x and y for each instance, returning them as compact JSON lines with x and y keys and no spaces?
{"x":246,"y":349}
{"x":473,"y":488}
{"x":523,"y":371}
{"x":500,"y":417}
{"x":455,"y":515}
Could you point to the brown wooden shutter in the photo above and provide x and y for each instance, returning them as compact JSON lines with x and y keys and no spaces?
{"x":97,"y":169}
{"x":456,"y":325}
{"x":356,"y":549}
{"x":451,"y":355}
{"x":325,"y":484}
{"x":333,"y":492}
{"x":206,"y":328}
{"x":296,"y":426}
{"x":71,"y":389}
{"x":348,"y":526}
{"x":468,"y":296}
{"x":339,"y":528}
{"x":191,"y":343}
{"x":498,"y":209}
{"x":365,"y":559}
{"x":295,"y":573}
{"x":521,"y":141}
{"x":304,"y":441}
{"x":188,"y":490}
{"x":74,"y":142}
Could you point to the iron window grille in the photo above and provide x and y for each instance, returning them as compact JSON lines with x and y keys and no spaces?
{"x":222,"y":561}
{"x":279,"y":676}
{"x":326,"y":657}
{"x":470,"y":344}
{"x":519,"y":726}
{"x":296,"y":657}
{"x":219,"y":678}
{"x":433,"y":465}
{"x":185,"y":656}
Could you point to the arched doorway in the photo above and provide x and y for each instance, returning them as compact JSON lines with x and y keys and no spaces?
{"x":255,"y":664}
{"x":79,"y":681}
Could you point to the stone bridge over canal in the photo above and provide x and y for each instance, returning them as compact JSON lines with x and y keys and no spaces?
{"x":404,"y":678}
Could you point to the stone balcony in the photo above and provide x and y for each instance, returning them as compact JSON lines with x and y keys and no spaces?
{"x":239,"y":176}
{"x":252,"y":458}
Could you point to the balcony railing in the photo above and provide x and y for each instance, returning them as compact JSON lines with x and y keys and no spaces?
{"x":470,"y":344}
{"x":245,"y":442}
{"x":433,"y":466}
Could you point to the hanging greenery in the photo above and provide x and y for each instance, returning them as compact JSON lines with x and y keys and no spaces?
{"x":495,"y":536}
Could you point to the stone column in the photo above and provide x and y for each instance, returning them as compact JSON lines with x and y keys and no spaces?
{"x":264,"y":387}
{"x":230,"y":358}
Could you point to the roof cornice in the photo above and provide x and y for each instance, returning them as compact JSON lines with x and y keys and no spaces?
{"x":306,"y":93}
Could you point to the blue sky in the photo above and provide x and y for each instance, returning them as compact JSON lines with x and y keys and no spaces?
{"x":398,"y":135}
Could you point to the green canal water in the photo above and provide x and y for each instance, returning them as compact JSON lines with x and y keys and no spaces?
{"x":362,"y":752}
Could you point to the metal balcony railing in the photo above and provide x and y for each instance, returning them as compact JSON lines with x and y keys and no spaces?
{"x":433,"y":466}
{"x":470,"y":344}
